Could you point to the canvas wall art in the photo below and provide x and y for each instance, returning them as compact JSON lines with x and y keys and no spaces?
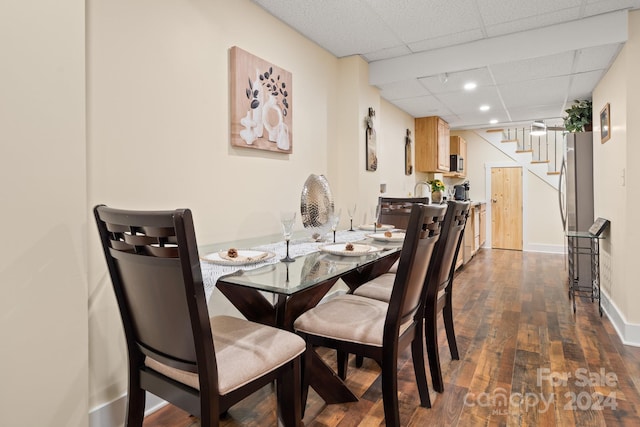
{"x":261,"y":107}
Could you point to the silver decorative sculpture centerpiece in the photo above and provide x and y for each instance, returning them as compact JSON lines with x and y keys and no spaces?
{"x":316,"y":206}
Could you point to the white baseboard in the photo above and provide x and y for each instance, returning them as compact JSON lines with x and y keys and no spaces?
{"x":628,"y":332}
{"x":553,"y":249}
{"x":112,"y":414}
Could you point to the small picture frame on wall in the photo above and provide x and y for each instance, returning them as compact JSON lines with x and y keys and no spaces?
{"x":605,"y":124}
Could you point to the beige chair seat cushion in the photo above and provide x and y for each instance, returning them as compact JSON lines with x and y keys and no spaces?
{"x":347,"y":318}
{"x":244,"y":351}
{"x":394,"y":267}
{"x":379,"y":288}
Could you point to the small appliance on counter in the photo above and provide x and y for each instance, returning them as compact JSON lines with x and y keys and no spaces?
{"x":461,"y":191}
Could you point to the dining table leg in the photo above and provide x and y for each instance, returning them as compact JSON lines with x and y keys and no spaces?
{"x":362,"y":275}
{"x":255,"y":307}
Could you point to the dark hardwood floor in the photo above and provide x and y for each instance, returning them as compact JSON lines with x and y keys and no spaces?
{"x":525,"y":360}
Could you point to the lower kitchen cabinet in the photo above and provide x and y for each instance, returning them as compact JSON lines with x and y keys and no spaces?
{"x":474,"y":233}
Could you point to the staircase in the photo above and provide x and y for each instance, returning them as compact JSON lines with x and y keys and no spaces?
{"x":542,"y":155}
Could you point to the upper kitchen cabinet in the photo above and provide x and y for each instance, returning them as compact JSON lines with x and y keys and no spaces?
{"x":432,"y":144}
{"x":458,"y":162}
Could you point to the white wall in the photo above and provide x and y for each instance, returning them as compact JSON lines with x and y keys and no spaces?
{"x":541,"y":213}
{"x":43,"y":289}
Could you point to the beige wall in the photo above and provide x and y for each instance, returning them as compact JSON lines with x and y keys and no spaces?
{"x":43,"y":289}
{"x":158,"y":135}
{"x":391,"y":164}
{"x":615,"y":181}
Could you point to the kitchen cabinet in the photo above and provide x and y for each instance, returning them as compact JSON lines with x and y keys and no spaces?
{"x":474,"y":232}
{"x":458,"y":146}
{"x":432,"y":144}
{"x":476,"y":229}
{"x":483,"y":224}
{"x":468,"y":248}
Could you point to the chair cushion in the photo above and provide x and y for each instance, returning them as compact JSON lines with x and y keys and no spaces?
{"x":379,"y":288}
{"x":394,"y":267}
{"x":244,"y":351}
{"x":347,"y":318}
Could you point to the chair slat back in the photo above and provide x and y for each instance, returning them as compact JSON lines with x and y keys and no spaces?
{"x":422,"y":234}
{"x":153,"y":262}
{"x":449,"y":245}
{"x":396,"y":210}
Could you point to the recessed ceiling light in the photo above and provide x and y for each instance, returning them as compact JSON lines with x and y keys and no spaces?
{"x":485,"y":108}
{"x":493,"y":121}
{"x":470,"y":86}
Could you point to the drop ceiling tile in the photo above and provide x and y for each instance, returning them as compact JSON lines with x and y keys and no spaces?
{"x":416,"y":20}
{"x":536,"y":68}
{"x":531,"y":22}
{"x":582,"y":85}
{"x":342,"y":27}
{"x":498,"y":12}
{"x":403,"y":89}
{"x":455,"y":81}
{"x":596,"y":58}
{"x":478,"y":119}
{"x":539,"y":112}
{"x":422,"y":106}
{"x":392,"y":52}
{"x":535,"y":92}
{"x":470,"y":101}
{"x":381,"y":29}
{"x":596,"y":7}
{"x":447,"y":40}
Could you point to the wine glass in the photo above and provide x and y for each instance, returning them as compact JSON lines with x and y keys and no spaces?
{"x":287,"y":219}
{"x":351,"y":210}
{"x":334,"y":219}
{"x":375,"y":214}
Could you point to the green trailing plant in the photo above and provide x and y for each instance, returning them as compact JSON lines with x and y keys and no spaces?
{"x":579,"y":116}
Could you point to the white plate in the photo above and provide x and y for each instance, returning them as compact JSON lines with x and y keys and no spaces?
{"x":245,"y":257}
{"x":396,"y":236}
{"x":382,"y":227}
{"x":358,"y":249}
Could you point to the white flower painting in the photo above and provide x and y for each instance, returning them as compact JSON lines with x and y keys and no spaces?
{"x":261,"y":111}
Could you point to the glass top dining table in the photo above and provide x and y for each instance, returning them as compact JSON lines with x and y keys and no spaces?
{"x":312,"y":264}
{"x":298,"y":286}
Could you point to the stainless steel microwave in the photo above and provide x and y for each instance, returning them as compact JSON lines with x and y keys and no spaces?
{"x":456,"y":163}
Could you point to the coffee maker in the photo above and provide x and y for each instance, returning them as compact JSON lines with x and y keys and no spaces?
{"x":461,"y":191}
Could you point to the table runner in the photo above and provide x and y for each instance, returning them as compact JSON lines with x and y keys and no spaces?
{"x":297,"y":247}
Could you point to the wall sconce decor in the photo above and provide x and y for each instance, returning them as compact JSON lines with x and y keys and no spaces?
{"x":408,"y":163}
{"x":371,"y":146}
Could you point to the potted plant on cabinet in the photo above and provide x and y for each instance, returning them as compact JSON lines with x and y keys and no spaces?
{"x":578,"y":117}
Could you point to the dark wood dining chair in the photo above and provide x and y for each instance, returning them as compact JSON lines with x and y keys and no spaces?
{"x":396,"y":210}
{"x":379,"y":330}
{"x":176,"y":351}
{"x":439,"y":288}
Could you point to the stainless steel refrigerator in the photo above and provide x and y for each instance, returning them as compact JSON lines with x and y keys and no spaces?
{"x":576,"y":193}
